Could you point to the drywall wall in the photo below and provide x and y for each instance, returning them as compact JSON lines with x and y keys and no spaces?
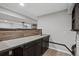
{"x":58,"y":25}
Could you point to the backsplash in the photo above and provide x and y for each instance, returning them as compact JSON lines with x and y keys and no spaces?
{"x":7,"y":34}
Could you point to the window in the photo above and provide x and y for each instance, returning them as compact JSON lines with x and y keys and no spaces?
{"x":28,"y":26}
{"x":15,"y":25}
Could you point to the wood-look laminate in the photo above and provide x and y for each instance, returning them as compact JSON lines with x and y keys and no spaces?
{"x":8,"y":34}
{"x":52,"y":52}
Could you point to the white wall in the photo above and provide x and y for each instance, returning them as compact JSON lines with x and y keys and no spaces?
{"x":58,"y":25}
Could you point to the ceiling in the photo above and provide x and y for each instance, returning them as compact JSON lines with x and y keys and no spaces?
{"x":35,"y":9}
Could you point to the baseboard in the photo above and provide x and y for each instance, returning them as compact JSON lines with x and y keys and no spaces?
{"x":61,"y":50}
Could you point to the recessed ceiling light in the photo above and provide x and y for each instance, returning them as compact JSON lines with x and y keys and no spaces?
{"x":22,"y":4}
{"x":5,"y":21}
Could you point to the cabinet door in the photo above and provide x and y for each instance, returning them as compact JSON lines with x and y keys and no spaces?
{"x":4,"y":53}
{"x":45,"y":44}
{"x":34,"y":49}
{"x":44,"y":48}
{"x":38,"y":48}
{"x":46,"y":41}
{"x":29,"y":51}
{"x":17,"y":51}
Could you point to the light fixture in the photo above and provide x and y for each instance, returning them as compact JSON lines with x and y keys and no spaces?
{"x":5,"y":21}
{"x":22,"y":4}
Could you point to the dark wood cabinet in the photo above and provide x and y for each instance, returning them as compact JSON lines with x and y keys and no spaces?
{"x":33,"y":48}
{"x":30,"y":49}
{"x":6,"y":53}
{"x":45,"y":44}
{"x":17,"y":51}
{"x":38,"y":48}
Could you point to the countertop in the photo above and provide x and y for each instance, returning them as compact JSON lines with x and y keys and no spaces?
{"x":8,"y":44}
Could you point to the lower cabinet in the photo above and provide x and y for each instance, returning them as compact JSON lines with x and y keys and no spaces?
{"x":45,"y":44}
{"x":17,"y":51}
{"x":38,"y":49}
{"x":33,"y":48}
{"x":4,"y":53}
{"x":30,"y":49}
